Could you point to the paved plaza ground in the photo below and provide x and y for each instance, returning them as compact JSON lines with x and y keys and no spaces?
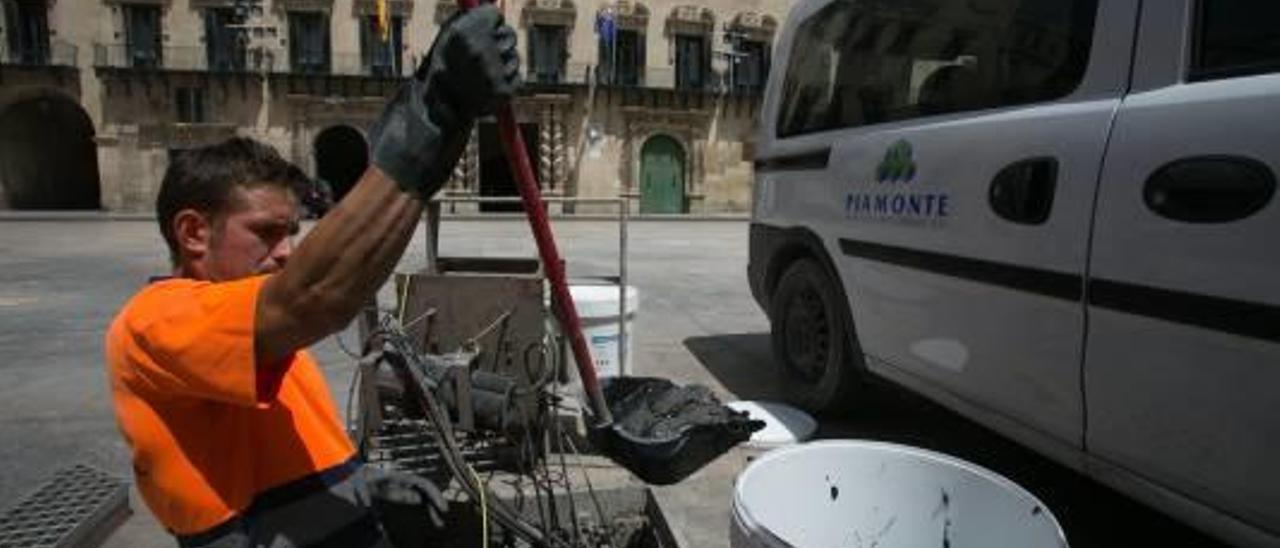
{"x":62,"y":281}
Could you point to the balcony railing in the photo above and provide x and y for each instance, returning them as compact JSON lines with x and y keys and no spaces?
{"x":357,"y":64}
{"x":665,"y":78}
{"x":194,"y":58}
{"x":57,"y":54}
{"x":569,"y":74}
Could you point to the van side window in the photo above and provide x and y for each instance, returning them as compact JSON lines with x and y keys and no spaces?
{"x":1236,"y":38}
{"x":864,"y":62}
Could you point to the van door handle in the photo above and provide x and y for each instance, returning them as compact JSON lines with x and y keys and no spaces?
{"x":1210,"y":189}
{"x":1023,"y":191}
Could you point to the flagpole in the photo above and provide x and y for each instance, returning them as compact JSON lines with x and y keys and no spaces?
{"x":613,"y":43}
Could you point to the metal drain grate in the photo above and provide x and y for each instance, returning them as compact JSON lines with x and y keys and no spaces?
{"x":79,"y":507}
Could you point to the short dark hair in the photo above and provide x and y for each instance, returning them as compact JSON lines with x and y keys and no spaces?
{"x":203,"y":179}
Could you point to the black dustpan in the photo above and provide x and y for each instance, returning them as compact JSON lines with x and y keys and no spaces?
{"x":662,"y":432}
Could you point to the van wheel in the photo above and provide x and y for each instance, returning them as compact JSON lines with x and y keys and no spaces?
{"x":810,"y":340}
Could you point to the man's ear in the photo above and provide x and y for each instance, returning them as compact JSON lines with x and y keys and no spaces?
{"x":193,"y":233}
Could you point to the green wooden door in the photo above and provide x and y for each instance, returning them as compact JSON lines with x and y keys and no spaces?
{"x":661,"y":176}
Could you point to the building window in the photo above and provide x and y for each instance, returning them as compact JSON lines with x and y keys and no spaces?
{"x":622,"y":58}
{"x":1012,"y":52}
{"x":142,"y":35}
{"x":1236,"y":39}
{"x":309,"y":42}
{"x":548,"y":51}
{"x":381,"y":58}
{"x":749,"y":66}
{"x":224,"y":49}
{"x":28,"y":32}
{"x":693,"y":61}
{"x":190,"y":104}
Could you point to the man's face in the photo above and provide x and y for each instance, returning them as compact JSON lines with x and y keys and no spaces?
{"x":255,"y":236}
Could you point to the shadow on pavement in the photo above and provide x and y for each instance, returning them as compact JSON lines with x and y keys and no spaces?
{"x":1092,"y":515}
{"x":743,"y":363}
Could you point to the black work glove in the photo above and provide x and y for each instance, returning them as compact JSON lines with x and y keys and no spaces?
{"x":410,"y":508}
{"x":471,"y":69}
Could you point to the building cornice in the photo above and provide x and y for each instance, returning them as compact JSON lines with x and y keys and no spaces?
{"x":690,"y":20}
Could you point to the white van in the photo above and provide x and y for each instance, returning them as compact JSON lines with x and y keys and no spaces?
{"x":1055,"y":217}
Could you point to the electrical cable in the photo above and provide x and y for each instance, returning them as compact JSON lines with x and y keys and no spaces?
{"x":586,"y":478}
{"x":502,"y":338}
{"x":452,"y":456}
{"x":351,"y":396}
{"x":544,"y":375}
{"x":499,"y":320}
{"x":404,"y":298}
{"x":400,"y":354}
{"x":484,"y":510}
{"x":343,"y":347}
{"x":429,"y":313}
{"x":564,"y":470}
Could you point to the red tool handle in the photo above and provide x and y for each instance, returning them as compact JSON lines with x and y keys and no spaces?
{"x":561,"y":300}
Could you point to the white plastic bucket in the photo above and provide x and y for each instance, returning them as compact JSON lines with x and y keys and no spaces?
{"x":598,"y":308}
{"x":854,"y":493}
{"x":783,"y":424}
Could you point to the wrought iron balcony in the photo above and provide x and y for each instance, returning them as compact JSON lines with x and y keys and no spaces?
{"x":181,"y":59}
{"x":55,"y":54}
{"x":569,"y":74}
{"x":664,"y":78}
{"x":360,"y":64}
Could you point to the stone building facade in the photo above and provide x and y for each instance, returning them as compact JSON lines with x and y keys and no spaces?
{"x":651,"y":100}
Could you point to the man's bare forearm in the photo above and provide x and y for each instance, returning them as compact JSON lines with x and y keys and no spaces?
{"x":416,"y":142}
{"x":338,"y":267}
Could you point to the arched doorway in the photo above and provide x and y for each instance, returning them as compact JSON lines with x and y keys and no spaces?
{"x":341,"y":155}
{"x":661,"y":176}
{"x":48,"y":159}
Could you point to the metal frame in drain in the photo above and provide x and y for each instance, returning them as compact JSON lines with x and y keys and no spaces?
{"x":79,"y":507}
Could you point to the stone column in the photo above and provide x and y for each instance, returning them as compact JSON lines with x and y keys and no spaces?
{"x":546,"y":172}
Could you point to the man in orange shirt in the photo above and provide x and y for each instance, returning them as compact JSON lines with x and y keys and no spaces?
{"x":236,"y":440}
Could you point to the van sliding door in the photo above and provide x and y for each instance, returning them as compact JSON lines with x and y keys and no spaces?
{"x":966,"y":146}
{"x":1183,"y":358}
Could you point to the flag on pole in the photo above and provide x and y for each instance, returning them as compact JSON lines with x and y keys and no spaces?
{"x":607,"y":25}
{"x":384,"y":21}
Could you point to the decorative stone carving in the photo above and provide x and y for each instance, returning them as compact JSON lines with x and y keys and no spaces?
{"x":465,"y":177}
{"x":691,"y":20}
{"x":315,"y":114}
{"x":689,"y":128}
{"x":755,"y":26}
{"x":324,"y":112}
{"x":559,"y":150}
{"x":549,"y":12}
{"x":184,"y":135}
{"x":631,"y":15}
{"x":552,"y":147}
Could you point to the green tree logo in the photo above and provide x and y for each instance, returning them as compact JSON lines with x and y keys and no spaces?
{"x":898,"y":165}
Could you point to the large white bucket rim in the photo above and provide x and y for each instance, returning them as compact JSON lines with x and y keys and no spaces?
{"x":743,"y":515}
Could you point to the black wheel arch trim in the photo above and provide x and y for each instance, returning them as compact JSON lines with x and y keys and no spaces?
{"x":773,"y":249}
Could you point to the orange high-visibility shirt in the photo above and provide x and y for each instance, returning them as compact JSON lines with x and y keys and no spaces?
{"x":209,"y":428}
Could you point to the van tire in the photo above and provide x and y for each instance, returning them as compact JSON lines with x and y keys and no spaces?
{"x":810,"y":339}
